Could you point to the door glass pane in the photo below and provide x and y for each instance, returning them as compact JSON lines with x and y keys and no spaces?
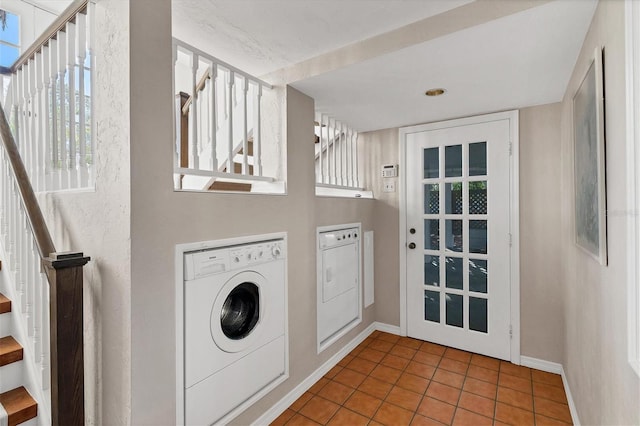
{"x":453,"y":235}
{"x":454,"y":272}
{"x":454,"y":309}
{"x":432,"y":306}
{"x":478,"y":236}
{"x":477,"y":159}
{"x":432,"y":198}
{"x":432,"y":234}
{"x":478,"y":275}
{"x":453,"y":198}
{"x":431,"y":270}
{"x":431,"y":163}
{"x":478,"y":197}
{"x":478,"y":314}
{"x":453,"y":161}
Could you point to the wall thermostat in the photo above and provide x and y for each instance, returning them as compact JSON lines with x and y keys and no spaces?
{"x":389,"y":170}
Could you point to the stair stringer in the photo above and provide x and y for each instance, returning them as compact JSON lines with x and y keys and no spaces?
{"x":27,"y":368}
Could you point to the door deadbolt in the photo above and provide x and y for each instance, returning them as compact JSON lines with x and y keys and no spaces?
{"x":412,"y":245}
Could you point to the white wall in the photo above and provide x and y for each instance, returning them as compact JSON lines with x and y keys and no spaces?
{"x":605,"y":388}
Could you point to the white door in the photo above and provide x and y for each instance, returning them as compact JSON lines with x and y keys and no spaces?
{"x":458,"y":236}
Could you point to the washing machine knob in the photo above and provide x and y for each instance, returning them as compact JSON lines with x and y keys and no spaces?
{"x":236,"y":259}
{"x":275,"y":251}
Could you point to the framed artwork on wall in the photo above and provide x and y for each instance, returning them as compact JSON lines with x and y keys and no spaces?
{"x":589,"y":162}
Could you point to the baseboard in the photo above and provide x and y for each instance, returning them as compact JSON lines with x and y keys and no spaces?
{"x":554,"y":367}
{"x":387,"y":328}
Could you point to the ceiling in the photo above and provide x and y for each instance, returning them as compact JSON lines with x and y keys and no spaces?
{"x":521,"y":58}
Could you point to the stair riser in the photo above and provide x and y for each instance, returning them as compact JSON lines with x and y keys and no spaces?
{"x":12,"y":376}
{"x":6,"y":324}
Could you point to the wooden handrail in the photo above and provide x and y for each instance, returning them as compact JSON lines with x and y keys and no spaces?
{"x":64,"y":274}
{"x":32,"y":208}
{"x":68,"y":15}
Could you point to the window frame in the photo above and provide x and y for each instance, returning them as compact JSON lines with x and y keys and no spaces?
{"x":9,"y":44}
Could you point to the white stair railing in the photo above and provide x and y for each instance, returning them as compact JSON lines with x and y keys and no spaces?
{"x":336,"y":154}
{"x":224,"y":111}
{"x":49,"y":101}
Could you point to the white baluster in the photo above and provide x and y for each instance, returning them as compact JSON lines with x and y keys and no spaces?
{"x":55,"y":119}
{"x":39,"y":122}
{"x":245,"y":136}
{"x":45,"y":356}
{"x":213,"y":110}
{"x":357,"y":179}
{"x":81,"y":55}
{"x":193,"y":113}
{"x":257,"y":132}
{"x":37,"y":301}
{"x":230,"y":165}
{"x":63,"y":108}
{"x":71,"y":87}
{"x":46,"y":118}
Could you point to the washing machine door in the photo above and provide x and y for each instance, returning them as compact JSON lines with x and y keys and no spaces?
{"x":238,"y":312}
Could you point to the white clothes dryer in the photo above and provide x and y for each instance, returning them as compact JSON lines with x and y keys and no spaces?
{"x":235,"y":328}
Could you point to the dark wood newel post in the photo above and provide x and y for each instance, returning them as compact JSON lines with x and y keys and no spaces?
{"x":67,"y":360}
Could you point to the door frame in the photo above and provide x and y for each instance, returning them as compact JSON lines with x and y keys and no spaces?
{"x":514,"y":214}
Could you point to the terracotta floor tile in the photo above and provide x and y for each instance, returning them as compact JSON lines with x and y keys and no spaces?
{"x":478,"y":404}
{"x":547,"y":378}
{"x":350,"y":378}
{"x":482,"y":373}
{"x":436,"y":410}
{"x":515,"y":370}
{"x":513,"y":382}
{"x":362,"y":365}
{"x":392,"y":415}
{"x":516,"y":398}
{"x":387,"y":337}
{"x":374,"y":423}
{"x":448,"y":378}
{"x":420,"y":420}
{"x":548,"y":421}
{"x":356,"y":351}
{"x":458,"y":355}
{"x":413,"y":383}
{"x":318,"y":385}
{"x":319,"y":409}
{"x":402,"y":351}
{"x":346,"y":360}
{"x":299,"y":420}
{"x":404,"y":398}
{"x":432,"y":348}
{"x":419,"y":369}
{"x":480,"y":387}
{"x":552,"y":409}
{"x":386,"y":374}
{"x":467,"y":418}
{"x":331,"y":373}
{"x":427,"y":358}
{"x":513,"y":415}
{"x":485,"y":361}
{"x":551,"y":392}
{"x":375,"y":387}
{"x":381,"y":345}
{"x":375,"y":334}
{"x":284,"y":417}
{"x":443,"y":393}
{"x":453,"y":365}
{"x":299,"y":403}
{"x":497,"y":423}
{"x":362,"y":403}
{"x":394,"y":361}
{"x":372,"y":355}
{"x":336,"y":392}
{"x":346,"y":417}
{"x":409,"y":342}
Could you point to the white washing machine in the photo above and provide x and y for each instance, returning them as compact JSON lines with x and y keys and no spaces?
{"x":235,"y":328}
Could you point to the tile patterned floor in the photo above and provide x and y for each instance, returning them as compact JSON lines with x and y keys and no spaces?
{"x":393,"y":380}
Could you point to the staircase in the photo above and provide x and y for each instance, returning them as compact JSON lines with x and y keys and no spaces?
{"x":219,"y":185}
{"x":18,"y":404}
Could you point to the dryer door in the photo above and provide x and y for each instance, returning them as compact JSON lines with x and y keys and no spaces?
{"x":238,"y":312}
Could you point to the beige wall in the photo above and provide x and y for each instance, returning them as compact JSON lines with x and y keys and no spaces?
{"x":541,"y":316}
{"x":162,"y":218}
{"x":605,"y":388}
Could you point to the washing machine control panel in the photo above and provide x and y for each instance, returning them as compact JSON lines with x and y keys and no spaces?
{"x":255,"y":253}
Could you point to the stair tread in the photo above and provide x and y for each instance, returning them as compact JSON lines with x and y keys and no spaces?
{"x":10,"y":350}
{"x":19,"y":405}
{"x":5,"y":304}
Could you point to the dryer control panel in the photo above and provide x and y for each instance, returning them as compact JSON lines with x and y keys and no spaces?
{"x":214,"y":261}
{"x":339,"y":238}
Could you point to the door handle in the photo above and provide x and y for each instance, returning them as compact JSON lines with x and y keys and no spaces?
{"x":412,"y":245}
{"x":412,"y":230}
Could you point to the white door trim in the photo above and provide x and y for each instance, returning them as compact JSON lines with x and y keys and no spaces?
{"x":514,"y":214}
